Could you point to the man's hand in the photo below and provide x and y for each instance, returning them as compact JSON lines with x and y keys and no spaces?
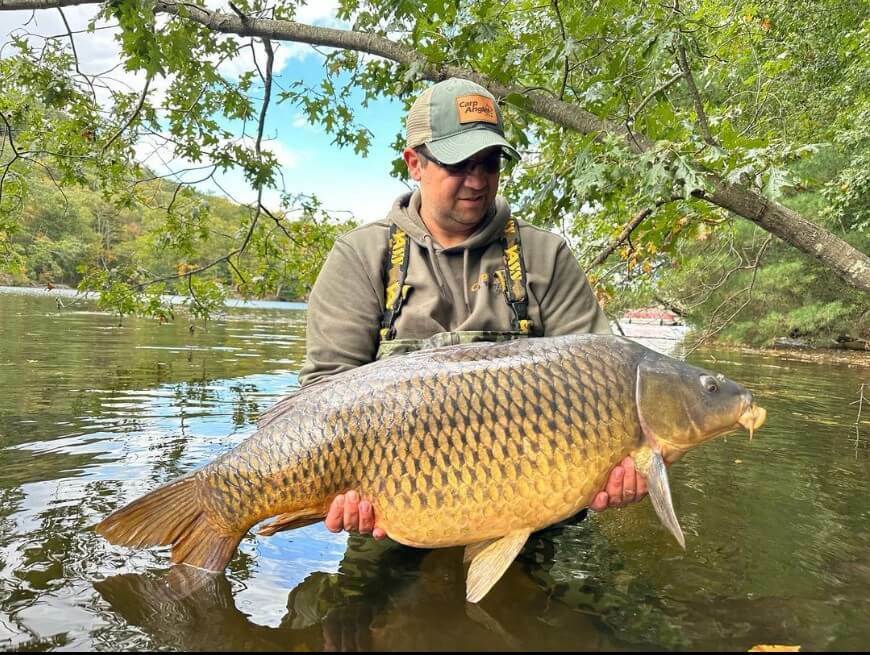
{"x":624,"y":486}
{"x":348,"y":512}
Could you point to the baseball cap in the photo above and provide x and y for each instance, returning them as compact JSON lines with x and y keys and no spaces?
{"x":455,"y":119}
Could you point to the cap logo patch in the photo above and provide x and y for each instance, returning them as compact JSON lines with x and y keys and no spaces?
{"x":476,"y":108}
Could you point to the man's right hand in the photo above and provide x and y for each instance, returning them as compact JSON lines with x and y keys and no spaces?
{"x":348,"y":512}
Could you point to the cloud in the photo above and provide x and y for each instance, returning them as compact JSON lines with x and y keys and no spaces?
{"x":99,"y":51}
{"x":287,"y":158}
{"x":320,"y":12}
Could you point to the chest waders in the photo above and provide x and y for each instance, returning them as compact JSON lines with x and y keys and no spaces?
{"x":512,"y":279}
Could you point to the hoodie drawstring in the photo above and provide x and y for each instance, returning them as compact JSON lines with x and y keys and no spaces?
{"x":439,"y":276}
{"x":465,"y":280}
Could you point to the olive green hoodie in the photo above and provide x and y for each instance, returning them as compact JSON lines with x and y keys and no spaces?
{"x":452,"y":289}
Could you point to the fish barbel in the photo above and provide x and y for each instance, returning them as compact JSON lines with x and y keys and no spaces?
{"x":477,"y":445}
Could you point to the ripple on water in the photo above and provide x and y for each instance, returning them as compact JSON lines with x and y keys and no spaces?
{"x":776,"y":544}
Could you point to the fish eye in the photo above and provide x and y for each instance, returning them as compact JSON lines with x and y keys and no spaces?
{"x":709,"y":383}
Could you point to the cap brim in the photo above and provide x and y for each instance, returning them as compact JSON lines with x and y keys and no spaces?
{"x":458,"y":147}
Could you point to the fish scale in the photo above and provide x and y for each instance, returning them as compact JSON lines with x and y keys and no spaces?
{"x":474,"y":445}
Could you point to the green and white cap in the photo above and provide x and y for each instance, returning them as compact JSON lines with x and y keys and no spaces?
{"x":456,"y":119}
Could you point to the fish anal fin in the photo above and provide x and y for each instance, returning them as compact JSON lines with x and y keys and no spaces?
{"x":291,"y":520}
{"x":473,"y":550}
{"x":490,"y":560}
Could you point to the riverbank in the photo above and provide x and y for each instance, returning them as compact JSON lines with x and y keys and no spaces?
{"x":851,"y":358}
{"x":60,"y":292}
{"x":664,"y":338}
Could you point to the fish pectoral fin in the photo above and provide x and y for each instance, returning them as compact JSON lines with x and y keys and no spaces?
{"x":489,"y":561}
{"x":290,"y":521}
{"x":652,"y":466}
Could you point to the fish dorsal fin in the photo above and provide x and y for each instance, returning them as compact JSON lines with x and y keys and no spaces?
{"x":652,"y":466}
{"x":489,"y":561}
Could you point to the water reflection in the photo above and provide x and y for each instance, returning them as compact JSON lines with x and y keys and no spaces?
{"x":383,"y":597}
{"x":92,"y":416}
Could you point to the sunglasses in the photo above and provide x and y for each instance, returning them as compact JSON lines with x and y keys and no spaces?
{"x":489,"y":164}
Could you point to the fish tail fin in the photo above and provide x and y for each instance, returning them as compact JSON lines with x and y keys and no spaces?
{"x":173,"y":515}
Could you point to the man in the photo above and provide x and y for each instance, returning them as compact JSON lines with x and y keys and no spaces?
{"x":448,"y":265}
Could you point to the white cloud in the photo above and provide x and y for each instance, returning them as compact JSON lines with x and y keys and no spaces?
{"x":319,"y":12}
{"x":286,"y":157}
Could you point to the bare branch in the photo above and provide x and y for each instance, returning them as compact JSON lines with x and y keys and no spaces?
{"x":72,"y":43}
{"x":748,"y":291}
{"x":132,"y":116}
{"x":201,"y":269}
{"x":36,"y":5}
{"x":696,"y":96}
{"x":626,"y":232}
{"x":633,"y":115}
{"x":267,"y":92}
{"x":564,"y":39}
{"x":8,"y":134}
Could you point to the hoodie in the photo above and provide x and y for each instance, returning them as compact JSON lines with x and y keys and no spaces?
{"x":451,"y":289}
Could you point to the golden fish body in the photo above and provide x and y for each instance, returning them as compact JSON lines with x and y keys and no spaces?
{"x":453,"y":446}
{"x":479,"y":444}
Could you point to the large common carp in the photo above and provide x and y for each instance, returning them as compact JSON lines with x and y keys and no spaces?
{"x":476,"y":445}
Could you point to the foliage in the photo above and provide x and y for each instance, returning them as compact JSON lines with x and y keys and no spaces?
{"x":756,"y":92}
{"x":791,"y":296}
{"x":77,"y":238}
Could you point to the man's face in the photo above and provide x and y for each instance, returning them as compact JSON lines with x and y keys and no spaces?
{"x":455,"y":198}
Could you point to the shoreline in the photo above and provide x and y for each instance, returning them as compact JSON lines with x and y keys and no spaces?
{"x":814,"y":354}
{"x":673,"y":334}
{"x":71,"y":292}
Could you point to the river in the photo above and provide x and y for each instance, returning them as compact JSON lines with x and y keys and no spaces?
{"x":93,"y":414}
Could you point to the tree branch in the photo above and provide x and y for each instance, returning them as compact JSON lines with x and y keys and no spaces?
{"x":626,"y":232}
{"x":8,"y":166}
{"x":132,"y":116}
{"x":564,"y":39}
{"x":696,"y":96}
{"x":72,"y":43}
{"x":748,"y":290}
{"x":633,"y":115}
{"x":267,"y":92}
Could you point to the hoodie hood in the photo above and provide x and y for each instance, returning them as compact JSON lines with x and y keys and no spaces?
{"x":405,"y":213}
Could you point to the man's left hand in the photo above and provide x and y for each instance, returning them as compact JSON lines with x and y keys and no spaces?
{"x":624,"y":486}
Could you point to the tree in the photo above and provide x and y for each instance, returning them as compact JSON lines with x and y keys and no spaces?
{"x":644,"y":124}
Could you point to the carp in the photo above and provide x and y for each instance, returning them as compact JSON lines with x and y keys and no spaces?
{"x":474,"y":445}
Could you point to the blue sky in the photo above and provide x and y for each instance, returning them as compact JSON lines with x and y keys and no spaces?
{"x":342,"y":179}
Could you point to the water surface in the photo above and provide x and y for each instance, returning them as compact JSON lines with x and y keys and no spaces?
{"x":92,"y":415}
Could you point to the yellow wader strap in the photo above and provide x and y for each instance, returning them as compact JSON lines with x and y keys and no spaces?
{"x":515,"y":286}
{"x":395,"y":289}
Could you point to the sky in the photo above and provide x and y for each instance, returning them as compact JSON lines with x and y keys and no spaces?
{"x":310,"y":164}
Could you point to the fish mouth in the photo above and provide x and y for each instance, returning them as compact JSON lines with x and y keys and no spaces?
{"x":752,"y":418}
